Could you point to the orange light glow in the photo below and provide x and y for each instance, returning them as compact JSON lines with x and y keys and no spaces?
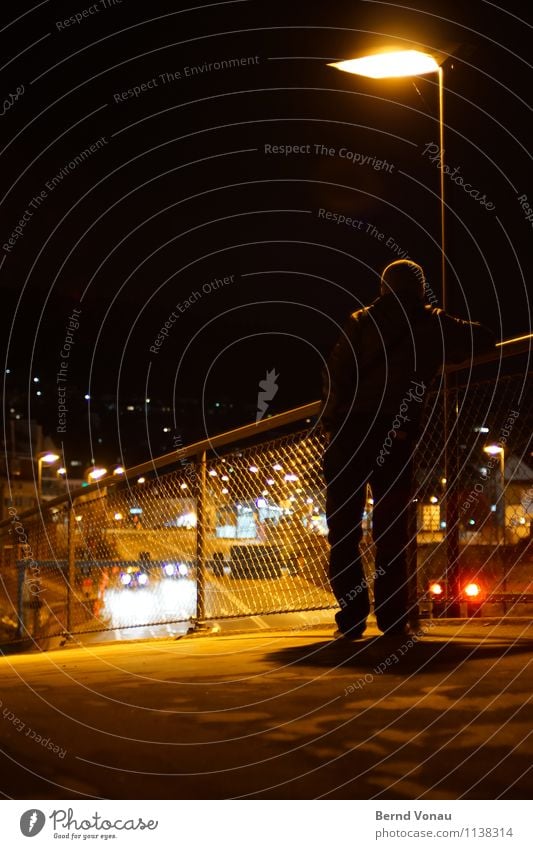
{"x":472,"y":590}
{"x":436,"y":589}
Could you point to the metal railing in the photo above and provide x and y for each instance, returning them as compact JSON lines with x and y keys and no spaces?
{"x":232,"y":526}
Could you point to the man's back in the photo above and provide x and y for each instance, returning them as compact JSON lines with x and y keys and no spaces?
{"x":386,"y":346}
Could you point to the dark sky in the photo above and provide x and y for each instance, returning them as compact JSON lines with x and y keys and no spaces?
{"x":179,"y":191}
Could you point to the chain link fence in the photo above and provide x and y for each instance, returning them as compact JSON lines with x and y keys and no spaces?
{"x":214,"y":533}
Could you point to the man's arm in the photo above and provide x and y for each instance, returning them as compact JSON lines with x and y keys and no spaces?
{"x":338,"y":377}
{"x":464,"y":339}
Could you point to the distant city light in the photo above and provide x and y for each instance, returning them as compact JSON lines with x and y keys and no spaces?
{"x":277,"y":467}
{"x":141,"y":480}
{"x":36,"y":380}
{"x":253,"y":469}
{"x":472,"y":590}
{"x":434,"y":499}
{"x":87,"y":397}
{"x":118,"y":471}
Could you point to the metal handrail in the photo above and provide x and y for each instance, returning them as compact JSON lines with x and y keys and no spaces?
{"x":505,"y":348}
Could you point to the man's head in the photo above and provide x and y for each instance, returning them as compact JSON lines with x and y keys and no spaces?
{"x":403,"y":277}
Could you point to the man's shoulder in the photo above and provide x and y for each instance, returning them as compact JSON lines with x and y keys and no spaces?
{"x":362,"y":313}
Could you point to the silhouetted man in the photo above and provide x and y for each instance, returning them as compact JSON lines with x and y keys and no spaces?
{"x":375,"y":387}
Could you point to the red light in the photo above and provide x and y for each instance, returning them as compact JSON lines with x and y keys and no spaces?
{"x":472,"y":590}
{"x":436,"y":589}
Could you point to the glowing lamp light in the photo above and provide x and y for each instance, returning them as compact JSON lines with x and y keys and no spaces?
{"x":436,"y":589}
{"x":118,"y":516}
{"x":169,"y":569}
{"x":96,"y":474}
{"x":141,"y":480}
{"x":493,"y":449}
{"x":49,"y":458}
{"x":434,"y":499}
{"x":142,"y":579}
{"x":396,"y":63}
{"x":183,"y":569}
{"x":253,"y":469}
{"x":125,"y":579}
{"x":118,"y":471}
{"x":472,"y":590}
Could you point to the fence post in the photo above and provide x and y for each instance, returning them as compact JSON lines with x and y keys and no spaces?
{"x":452,"y":505}
{"x":71,"y":565}
{"x":200,"y":539}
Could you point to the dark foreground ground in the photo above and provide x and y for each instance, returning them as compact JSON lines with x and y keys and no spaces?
{"x":274,"y":714}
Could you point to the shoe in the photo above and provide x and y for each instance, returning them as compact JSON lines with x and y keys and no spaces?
{"x":348,"y":635}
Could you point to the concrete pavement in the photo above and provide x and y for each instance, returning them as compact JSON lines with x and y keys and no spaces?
{"x":275,"y":714}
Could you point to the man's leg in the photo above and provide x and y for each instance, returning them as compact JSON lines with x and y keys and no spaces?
{"x":345,"y":502}
{"x":391,"y":488}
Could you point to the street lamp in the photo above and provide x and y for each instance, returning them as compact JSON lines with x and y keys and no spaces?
{"x":407,"y":63}
{"x":46,"y":457}
{"x":95,"y":473}
{"x":494,"y":450}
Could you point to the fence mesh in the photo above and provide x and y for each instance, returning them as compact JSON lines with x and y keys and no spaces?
{"x":132,"y":554}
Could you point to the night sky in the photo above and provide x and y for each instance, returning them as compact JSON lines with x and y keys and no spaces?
{"x":195,"y":159}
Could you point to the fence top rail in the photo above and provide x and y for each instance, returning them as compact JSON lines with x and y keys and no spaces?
{"x":505,"y":348}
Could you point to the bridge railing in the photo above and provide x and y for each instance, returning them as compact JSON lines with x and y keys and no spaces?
{"x":234,"y":525}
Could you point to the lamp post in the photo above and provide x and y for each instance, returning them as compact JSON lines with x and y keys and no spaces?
{"x":94,"y":473}
{"x":494,"y":450}
{"x":48,"y":458}
{"x":408,"y":63}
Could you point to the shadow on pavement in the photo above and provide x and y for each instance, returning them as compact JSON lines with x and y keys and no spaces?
{"x":406,"y":656}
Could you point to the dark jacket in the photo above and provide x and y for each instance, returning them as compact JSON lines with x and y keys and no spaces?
{"x":391,"y":350}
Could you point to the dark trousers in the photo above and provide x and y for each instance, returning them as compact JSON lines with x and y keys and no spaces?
{"x":348,"y":466}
